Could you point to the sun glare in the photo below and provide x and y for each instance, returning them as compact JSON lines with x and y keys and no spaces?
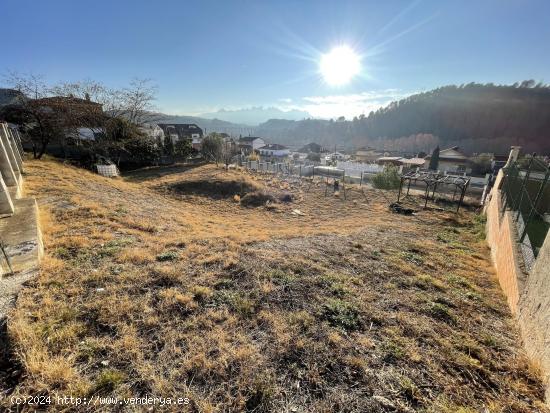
{"x":340,"y":65}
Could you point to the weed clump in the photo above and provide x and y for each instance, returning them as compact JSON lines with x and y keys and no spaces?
{"x":441,"y":312}
{"x":256,"y":199}
{"x":167,"y":256}
{"x":341,"y":314}
{"x":107,"y":381}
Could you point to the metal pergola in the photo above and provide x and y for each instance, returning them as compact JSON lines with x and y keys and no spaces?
{"x":329,"y":172}
{"x":432,"y":180}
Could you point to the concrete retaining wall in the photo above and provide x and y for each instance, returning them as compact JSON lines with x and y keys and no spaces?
{"x":534,"y":312}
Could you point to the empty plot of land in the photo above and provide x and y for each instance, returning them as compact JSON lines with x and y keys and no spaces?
{"x":163,"y":284}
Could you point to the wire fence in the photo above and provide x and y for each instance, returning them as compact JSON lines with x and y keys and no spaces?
{"x":526,"y":193}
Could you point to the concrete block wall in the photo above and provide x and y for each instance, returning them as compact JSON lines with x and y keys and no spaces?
{"x":534,"y":312}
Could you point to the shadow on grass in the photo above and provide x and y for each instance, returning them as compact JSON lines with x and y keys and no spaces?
{"x":155,"y":172}
{"x":214,"y":188}
{"x":10,"y":369}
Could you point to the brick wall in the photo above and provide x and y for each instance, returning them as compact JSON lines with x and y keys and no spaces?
{"x":502,"y":240}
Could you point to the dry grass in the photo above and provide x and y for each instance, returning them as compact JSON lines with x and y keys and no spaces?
{"x":346,"y":308}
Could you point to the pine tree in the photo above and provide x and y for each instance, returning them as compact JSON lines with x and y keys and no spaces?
{"x":434,"y":159}
{"x":168,"y":145}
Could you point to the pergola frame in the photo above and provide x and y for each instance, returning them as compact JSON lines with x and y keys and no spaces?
{"x":432,"y":180}
{"x":320,"y":171}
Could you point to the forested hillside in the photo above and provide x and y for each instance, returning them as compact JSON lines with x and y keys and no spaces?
{"x":474,"y":116}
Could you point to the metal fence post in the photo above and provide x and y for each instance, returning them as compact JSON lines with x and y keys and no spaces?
{"x":535,"y":204}
{"x":524,"y":183}
{"x":511,"y":171}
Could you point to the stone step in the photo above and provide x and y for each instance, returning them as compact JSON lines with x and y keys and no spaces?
{"x":22,"y":240}
{"x":21,"y":235}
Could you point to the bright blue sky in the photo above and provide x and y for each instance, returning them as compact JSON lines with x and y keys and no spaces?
{"x":206,"y":55}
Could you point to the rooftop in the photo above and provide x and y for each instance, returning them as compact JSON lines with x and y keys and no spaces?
{"x":273,"y":147}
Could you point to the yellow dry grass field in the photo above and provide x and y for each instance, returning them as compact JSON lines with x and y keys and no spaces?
{"x":163,"y":283}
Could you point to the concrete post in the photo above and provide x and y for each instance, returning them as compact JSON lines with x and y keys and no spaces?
{"x":9,"y":150}
{"x":15,"y":149}
{"x":18,"y":143}
{"x":514,"y":153}
{"x":9,"y":175}
{"x":6,"y":204}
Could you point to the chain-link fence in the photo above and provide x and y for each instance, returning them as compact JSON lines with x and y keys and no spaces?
{"x":526,"y":192}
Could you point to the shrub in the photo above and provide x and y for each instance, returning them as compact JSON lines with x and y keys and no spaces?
{"x":167,"y":256}
{"x":108,"y":380}
{"x":286,"y":197}
{"x":341,"y":314}
{"x":314,"y":157}
{"x":387,"y":179}
{"x":256,"y":198}
{"x":253,"y":156}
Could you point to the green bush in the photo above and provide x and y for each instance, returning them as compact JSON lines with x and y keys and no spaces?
{"x":167,"y":256}
{"x":387,"y":179}
{"x":341,"y":314}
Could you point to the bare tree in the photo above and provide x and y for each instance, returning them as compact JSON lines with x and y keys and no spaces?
{"x":31,"y":85}
{"x":46,"y":114}
{"x":91,"y":90}
{"x":136,"y":101}
{"x":212,"y":148}
{"x":55,"y":113}
{"x":39,"y":124}
{"x":229,"y":151}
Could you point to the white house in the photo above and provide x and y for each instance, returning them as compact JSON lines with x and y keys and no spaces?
{"x":333,"y":157}
{"x":84,"y":134}
{"x":251,"y":143}
{"x":274,"y":150}
{"x":153,"y":131}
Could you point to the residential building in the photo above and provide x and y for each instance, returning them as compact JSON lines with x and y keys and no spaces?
{"x":87,"y":116}
{"x":389,"y":160}
{"x":274,"y":150}
{"x":84,"y":109}
{"x":339,"y":156}
{"x":10,"y":97}
{"x":153,"y":132}
{"x":450,"y":160}
{"x":401,"y":161}
{"x":367,"y":154}
{"x":247,"y":144}
{"x":177,"y":131}
{"x":312,"y":147}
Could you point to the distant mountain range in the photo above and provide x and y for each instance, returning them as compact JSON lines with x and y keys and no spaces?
{"x":476,"y":117}
{"x":207,"y":125}
{"x":255,"y":115}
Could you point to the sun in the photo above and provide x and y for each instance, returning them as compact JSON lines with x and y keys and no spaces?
{"x":340,"y":65}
